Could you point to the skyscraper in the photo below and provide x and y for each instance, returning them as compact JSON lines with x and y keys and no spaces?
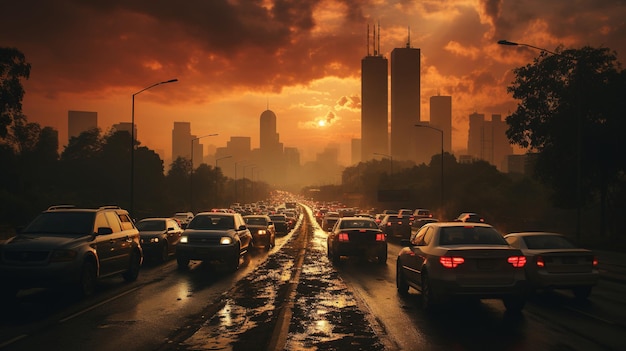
{"x":80,"y":121}
{"x":374,"y":94}
{"x":271,"y":149}
{"x":441,"y":117}
{"x":181,"y":140}
{"x":405,"y":101}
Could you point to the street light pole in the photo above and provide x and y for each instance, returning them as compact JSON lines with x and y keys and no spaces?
{"x":440,"y":131}
{"x":219,"y":159}
{"x":390,"y":162}
{"x":578,"y":137}
{"x":191,"y":173}
{"x":132,"y":144}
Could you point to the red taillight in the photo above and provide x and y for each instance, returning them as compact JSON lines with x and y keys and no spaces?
{"x":539,"y":261}
{"x":451,"y":262}
{"x":380,"y":237}
{"x":343,"y":237}
{"x":595,"y":261}
{"x":517,"y":261}
{"x":388,"y":224}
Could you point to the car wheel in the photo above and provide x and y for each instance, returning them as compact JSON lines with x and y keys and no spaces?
{"x":514,"y":304}
{"x":429,"y":299}
{"x":88,"y":279}
{"x":268,"y":244}
{"x":382,"y":258}
{"x":164,"y":253}
{"x":582,"y":293}
{"x":183,"y":262}
{"x":401,"y":285}
{"x":234,"y":261}
{"x":133,"y":269}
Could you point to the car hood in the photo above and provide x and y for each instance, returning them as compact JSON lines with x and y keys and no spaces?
{"x":150,"y":233}
{"x":203,"y":233}
{"x":43,"y":242}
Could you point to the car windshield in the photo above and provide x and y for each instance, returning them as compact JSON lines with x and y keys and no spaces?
{"x":359,"y":224}
{"x":72,"y":223}
{"x":255,"y":220}
{"x":539,"y":242}
{"x":150,"y":225}
{"x":212,"y":223}
{"x":470,"y":236}
{"x":278,"y":218}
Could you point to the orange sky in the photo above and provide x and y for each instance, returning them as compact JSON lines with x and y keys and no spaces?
{"x":303,"y":57}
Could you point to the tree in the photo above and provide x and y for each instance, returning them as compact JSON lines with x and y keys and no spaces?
{"x":13,"y":67}
{"x":571,"y":113}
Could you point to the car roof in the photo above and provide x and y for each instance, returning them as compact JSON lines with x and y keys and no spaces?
{"x":457,"y":224}
{"x":534,"y":234}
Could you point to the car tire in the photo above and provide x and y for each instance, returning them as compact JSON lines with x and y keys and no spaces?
{"x":233,"y":263}
{"x":429,"y":298}
{"x":382,"y":258}
{"x":133,"y":268}
{"x":514,"y":304}
{"x":88,"y":279}
{"x":164,"y":253}
{"x":582,"y":293}
{"x":401,"y":285}
{"x":268,"y":244}
{"x":183,"y":262}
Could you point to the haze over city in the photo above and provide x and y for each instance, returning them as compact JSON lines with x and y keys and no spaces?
{"x":301,"y":59}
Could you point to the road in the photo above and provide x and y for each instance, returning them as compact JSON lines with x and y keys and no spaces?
{"x":293,"y":298}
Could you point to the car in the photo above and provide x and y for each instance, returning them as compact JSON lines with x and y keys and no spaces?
{"x":470,"y":217}
{"x":555,"y":262}
{"x":330,"y":218}
{"x":184,"y":218}
{"x":319,"y":215}
{"x":159,"y":237}
{"x":422,"y":213}
{"x":280,"y":223}
{"x":70,"y":247}
{"x":356,"y":236}
{"x":396,"y":226}
{"x":262,"y":229}
{"x":448,"y":260}
{"x":420,"y":222}
{"x":214,"y":237}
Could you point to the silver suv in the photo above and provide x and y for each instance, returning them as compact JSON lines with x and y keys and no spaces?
{"x":73,"y":247}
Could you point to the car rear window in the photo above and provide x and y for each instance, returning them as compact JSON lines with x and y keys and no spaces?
{"x":470,"y":236}
{"x":538,"y":242}
{"x":255,"y":221}
{"x":150,"y":225}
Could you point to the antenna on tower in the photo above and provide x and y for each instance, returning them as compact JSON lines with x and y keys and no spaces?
{"x":368,"y":39}
{"x":378,"y":36}
{"x":408,"y":40}
{"x":374,"y":36}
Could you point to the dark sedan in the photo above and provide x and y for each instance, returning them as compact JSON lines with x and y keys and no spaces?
{"x":262,"y":229}
{"x":214,"y":236}
{"x":556,"y":263}
{"x":159,"y":237}
{"x":357,"y":236}
{"x":451,"y":259}
{"x":280,"y":223}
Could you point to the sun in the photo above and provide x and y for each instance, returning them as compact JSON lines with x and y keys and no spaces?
{"x":321,"y":123}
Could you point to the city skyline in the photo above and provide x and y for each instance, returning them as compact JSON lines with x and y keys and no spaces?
{"x":236,"y":59}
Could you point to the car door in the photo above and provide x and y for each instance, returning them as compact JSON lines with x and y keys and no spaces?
{"x":245,"y":236}
{"x":104,"y":244}
{"x":413,"y":263}
{"x":121,"y":243}
{"x":174,"y":232}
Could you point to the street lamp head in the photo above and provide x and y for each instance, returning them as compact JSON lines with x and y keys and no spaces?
{"x":506,"y":42}
{"x":171,"y":81}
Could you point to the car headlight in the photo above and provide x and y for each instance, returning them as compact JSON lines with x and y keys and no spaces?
{"x":226,"y":240}
{"x":262,"y":232}
{"x":63,"y":255}
{"x":183,"y":239}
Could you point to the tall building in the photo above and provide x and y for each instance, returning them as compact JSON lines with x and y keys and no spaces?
{"x":405,"y":101}
{"x":355,"y":151}
{"x":123,"y":127}
{"x":441,"y":117}
{"x":181,"y":140}
{"x":374,"y":95}
{"x":475,"y":135}
{"x":80,"y":121}
{"x":271,"y":149}
{"x":487,"y":140}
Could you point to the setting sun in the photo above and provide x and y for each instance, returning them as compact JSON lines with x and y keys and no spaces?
{"x":321,"y":123}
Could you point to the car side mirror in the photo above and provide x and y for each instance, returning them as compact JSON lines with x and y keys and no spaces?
{"x":242,"y":227}
{"x":104,"y":231}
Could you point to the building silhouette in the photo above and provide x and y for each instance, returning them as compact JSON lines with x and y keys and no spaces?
{"x":181,"y":140}
{"x":487,"y":140}
{"x":80,"y":121}
{"x":374,"y":96}
{"x":271,"y":154}
{"x":405,"y":101}
{"x":441,"y":117}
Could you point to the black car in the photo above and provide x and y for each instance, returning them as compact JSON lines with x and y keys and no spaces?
{"x":357,"y":236}
{"x":159,"y":237}
{"x":396,"y":226}
{"x":262,"y":229}
{"x":214,"y":237}
{"x":280,"y":223}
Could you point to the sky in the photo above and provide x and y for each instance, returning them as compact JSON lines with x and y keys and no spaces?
{"x":300,"y":58}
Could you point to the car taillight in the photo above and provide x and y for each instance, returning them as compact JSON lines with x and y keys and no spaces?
{"x":388,"y":224}
{"x":595,"y":261}
{"x":343,"y":237}
{"x":450,"y":261}
{"x":380,"y":237}
{"x":539,"y":261}
{"x":517,"y":261}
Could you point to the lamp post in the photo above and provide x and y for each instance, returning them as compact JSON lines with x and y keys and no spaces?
{"x":440,"y":131}
{"x":132,"y":144}
{"x":221,"y":158}
{"x":191,"y":172}
{"x":578,"y":137}
{"x":390,"y":162}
